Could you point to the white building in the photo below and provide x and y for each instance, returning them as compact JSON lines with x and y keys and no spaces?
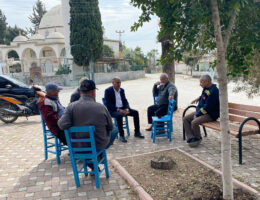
{"x":43,"y":53}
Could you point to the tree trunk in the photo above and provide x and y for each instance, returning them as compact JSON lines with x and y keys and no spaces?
{"x":224,"y":120}
{"x":169,"y":67}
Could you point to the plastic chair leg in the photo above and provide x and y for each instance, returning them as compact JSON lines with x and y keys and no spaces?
{"x":57,"y":150}
{"x":75,"y":172}
{"x":106,"y":165}
{"x":85,"y":167}
{"x":96,"y":172}
{"x":127,"y":127}
{"x":154,"y":132}
{"x":45,"y":147}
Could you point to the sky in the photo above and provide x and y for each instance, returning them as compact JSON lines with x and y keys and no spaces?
{"x":117,"y":15}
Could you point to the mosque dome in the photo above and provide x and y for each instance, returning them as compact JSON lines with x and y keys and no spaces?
{"x":55,"y":35}
{"x":37,"y":36}
{"x":53,"y":18}
{"x":20,"y":38}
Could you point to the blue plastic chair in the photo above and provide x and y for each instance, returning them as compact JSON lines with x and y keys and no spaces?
{"x":163,"y":126}
{"x":155,"y":96}
{"x":125,"y":120}
{"x":88,"y":155}
{"x":51,"y":143}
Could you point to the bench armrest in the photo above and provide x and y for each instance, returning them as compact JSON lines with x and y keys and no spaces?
{"x":244,"y":122}
{"x":186,"y":109}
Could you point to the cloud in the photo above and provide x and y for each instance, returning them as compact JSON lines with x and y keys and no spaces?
{"x":116,"y":15}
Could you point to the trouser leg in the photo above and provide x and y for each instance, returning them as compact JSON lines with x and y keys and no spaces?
{"x":151,"y":112}
{"x":113,"y":133}
{"x":195,"y":124}
{"x":61,"y":137}
{"x":119,"y":119}
{"x":161,"y":110}
{"x":135,"y":115}
{"x":187,"y":125}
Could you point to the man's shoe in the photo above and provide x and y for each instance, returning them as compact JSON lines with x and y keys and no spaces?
{"x":149,"y":129}
{"x":139,"y":135}
{"x":122,"y":139}
{"x":194,"y":142}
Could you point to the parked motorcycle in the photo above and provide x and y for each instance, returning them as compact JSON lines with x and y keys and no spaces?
{"x":17,"y":99}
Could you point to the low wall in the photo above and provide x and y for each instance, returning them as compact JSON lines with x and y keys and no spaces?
{"x":66,"y":80}
{"x":101,"y":78}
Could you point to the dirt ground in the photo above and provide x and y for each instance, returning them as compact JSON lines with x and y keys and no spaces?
{"x":188,"y":180}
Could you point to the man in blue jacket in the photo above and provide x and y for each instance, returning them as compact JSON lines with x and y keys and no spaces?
{"x":118,"y":107}
{"x":206,"y":111}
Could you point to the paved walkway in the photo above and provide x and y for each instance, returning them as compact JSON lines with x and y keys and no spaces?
{"x":24,"y":174}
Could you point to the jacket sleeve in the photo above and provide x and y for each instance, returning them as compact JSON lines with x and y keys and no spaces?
{"x":210,"y":103}
{"x":110,"y":106}
{"x":124,"y":100}
{"x":172,"y":90}
{"x":155,"y":90}
{"x":48,"y":114}
{"x":66,"y":120}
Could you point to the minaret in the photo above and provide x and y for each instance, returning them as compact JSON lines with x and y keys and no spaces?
{"x":66,"y":20}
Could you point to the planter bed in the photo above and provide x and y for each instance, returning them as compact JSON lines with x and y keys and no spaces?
{"x":189,"y":179}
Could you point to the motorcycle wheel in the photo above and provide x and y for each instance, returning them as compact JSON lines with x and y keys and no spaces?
{"x":7,"y":118}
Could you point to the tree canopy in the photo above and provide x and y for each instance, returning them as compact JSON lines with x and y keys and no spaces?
{"x":3,"y":27}
{"x":38,"y":11}
{"x":189,"y":25}
{"x":86,"y":36}
{"x":108,"y":52}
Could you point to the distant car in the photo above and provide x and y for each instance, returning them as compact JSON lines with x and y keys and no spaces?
{"x":10,"y":86}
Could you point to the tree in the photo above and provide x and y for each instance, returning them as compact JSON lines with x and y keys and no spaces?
{"x":3,"y":27}
{"x":191,"y":59}
{"x":152,"y":56}
{"x":86,"y":36}
{"x":206,"y":25}
{"x":12,"y":32}
{"x":108,"y":52}
{"x":38,"y":11}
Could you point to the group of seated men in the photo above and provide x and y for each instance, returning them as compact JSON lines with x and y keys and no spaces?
{"x":84,"y":110}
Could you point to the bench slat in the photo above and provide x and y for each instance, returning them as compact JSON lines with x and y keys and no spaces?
{"x":236,"y":118}
{"x":244,"y":107}
{"x":244,"y":113}
{"x":232,"y":127}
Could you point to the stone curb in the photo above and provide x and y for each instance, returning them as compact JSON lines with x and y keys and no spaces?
{"x":143,"y":195}
{"x":243,"y":186}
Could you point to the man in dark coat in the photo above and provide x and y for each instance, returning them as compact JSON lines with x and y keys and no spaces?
{"x":52,"y":110}
{"x":76,"y":94}
{"x":118,"y":107}
{"x":207,"y":110}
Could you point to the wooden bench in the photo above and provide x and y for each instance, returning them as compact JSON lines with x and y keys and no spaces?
{"x":243,"y":120}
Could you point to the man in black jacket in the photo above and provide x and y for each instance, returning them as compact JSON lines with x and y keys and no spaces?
{"x":118,"y":107}
{"x":76,"y":94}
{"x":206,"y":111}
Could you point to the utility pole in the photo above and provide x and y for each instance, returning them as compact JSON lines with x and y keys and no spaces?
{"x":120,"y":34}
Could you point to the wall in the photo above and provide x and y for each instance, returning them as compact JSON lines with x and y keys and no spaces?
{"x":107,"y":77}
{"x":100,"y":78}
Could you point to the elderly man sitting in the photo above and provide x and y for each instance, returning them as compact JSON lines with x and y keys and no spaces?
{"x":165,"y":90}
{"x":206,"y":111}
{"x":85,"y":112}
{"x":52,"y":110}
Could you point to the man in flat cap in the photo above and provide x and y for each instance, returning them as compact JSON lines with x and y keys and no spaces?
{"x":52,"y":110}
{"x":85,"y":112}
